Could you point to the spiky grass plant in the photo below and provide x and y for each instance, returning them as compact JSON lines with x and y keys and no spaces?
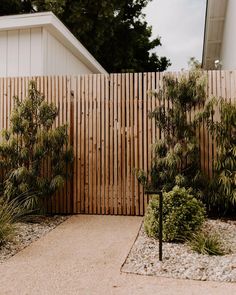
{"x":10,"y":213}
{"x":206,"y":243}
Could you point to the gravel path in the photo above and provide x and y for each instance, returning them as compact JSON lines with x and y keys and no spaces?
{"x":179,"y":261}
{"x":26,"y":233}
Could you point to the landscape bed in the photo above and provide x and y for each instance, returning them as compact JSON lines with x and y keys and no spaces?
{"x":179,"y":261}
{"x":28,"y":232}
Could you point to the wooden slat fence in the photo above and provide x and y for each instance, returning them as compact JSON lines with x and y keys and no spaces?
{"x":111,"y":134}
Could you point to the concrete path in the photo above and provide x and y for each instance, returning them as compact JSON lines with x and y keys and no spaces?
{"x":83,"y":256}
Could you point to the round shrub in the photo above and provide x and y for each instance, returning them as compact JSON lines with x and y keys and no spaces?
{"x":183,"y":214}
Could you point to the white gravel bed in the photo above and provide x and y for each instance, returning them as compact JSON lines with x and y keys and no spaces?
{"x":28,"y":232}
{"x":179,"y":261}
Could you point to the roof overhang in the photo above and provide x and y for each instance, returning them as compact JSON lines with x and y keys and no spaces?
{"x":214,"y":31}
{"x":58,"y":29}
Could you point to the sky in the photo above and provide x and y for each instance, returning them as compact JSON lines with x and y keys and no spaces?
{"x":180,"y":24}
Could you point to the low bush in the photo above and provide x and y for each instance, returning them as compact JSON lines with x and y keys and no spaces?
{"x":183,"y":214}
{"x":206,"y":243}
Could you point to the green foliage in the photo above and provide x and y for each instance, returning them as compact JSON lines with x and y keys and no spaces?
{"x":151,"y":221}
{"x":30,"y":143}
{"x":114,"y":31}
{"x":176,"y":157}
{"x":10,"y":213}
{"x":220,"y":119}
{"x":182,"y":215}
{"x":206,"y":243}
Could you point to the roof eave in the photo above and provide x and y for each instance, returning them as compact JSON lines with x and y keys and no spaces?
{"x":55,"y":26}
{"x":204,"y":40}
{"x":214,"y":31}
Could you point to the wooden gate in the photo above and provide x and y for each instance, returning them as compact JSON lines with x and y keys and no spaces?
{"x":112,"y":138}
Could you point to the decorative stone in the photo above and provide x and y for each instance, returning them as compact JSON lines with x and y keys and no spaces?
{"x":28,"y":232}
{"x":179,"y":261}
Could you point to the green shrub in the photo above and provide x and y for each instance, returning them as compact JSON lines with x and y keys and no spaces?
{"x":30,"y":144}
{"x":220,"y":118}
{"x":176,"y":159}
{"x":206,"y":243}
{"x":151,"y":221}
{"x":182,"y":215}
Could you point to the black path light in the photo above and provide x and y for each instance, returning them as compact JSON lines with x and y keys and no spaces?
{"x":160,"y":194}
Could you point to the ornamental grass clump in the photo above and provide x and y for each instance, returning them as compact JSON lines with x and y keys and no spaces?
{"x":183,"y":215}
{"x":206,"y":243}
{"x":10,"y":213}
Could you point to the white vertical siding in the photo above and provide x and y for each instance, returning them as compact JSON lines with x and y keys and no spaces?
{"x":3,"y":54}
{"x":36,"y":46}
{"x":24,"y":52}
{"x":58,"y":60}
{"x":12,"y":53}
{"x":35,"y":52}
{"x":21,"y":52}
{"x":228,"y":49}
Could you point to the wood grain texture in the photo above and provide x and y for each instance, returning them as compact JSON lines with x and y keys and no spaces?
{"x":110,"y":133}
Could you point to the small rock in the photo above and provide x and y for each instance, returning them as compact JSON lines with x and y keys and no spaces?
{"x":179,"y":261}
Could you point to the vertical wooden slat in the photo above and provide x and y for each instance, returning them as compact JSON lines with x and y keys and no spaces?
{"x":220,"y":91}
{"x":54,"y":199}
{"x":111,"y":146}
{"x":8,"y":102}
{"x":87,"y":131}
{"x":99,"y":144}
{"x":70,"y":120}
{"x":74,"y":125}
{"x":153,"y":107}
{"x":82,"y":143}
{"x":128,"y":146}
{"x":116,"y":192}
{"x":107,"y":151}
{"x":119,"y":146}
{"x":136,"y":147}
{"x":202,"y":141}
{"x":103,"y":144}
{"x":90,"y":145}
{"x":94,"y":81}
{"x":210,"y":160}
{"x":149,"y":124}
{"x":132,"y":143}
{"x":145,"y":130}
{"x":140,"y":139}
{"x":206,"y":146}
{"x":123,"y":145}
{"x":59,"y":197}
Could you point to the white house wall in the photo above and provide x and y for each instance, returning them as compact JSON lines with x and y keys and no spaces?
{"x":228,"y":50}
{"x":58,"y":60}
{"x":21,"y":52}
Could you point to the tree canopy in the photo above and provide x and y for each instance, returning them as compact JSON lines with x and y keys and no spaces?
{"x":114,"y":31}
